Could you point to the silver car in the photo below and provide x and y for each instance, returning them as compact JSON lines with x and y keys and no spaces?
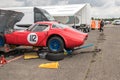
{"x":116,"y":22}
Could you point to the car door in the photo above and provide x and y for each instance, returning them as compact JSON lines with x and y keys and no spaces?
{"x":34,"y":37}
{"x":17,"y":37}
{"x":38,"y":35}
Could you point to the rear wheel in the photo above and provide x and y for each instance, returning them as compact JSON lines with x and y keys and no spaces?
{"x":55,"y":44}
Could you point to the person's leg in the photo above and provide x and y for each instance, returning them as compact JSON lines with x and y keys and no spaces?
{"x":100,"y":29}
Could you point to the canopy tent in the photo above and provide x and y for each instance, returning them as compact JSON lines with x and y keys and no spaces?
{"x":63,"y":10}
{"x":72,"y":14}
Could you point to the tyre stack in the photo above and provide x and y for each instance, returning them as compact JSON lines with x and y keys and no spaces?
{"x":50,"y":56}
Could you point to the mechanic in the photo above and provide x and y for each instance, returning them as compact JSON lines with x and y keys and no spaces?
{"x":101,"y":25}
{"x":93,"y":24}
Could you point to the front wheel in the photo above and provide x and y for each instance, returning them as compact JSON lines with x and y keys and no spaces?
{"x":2,"y":40}
{"x":55,"y":44}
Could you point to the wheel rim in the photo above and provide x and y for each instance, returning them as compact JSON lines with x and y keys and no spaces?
{"x":1,"y":42}
{"x":55,"y":45}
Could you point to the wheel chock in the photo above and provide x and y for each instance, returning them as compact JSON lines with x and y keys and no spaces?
{"x":53,"y":65}
{"x":32,"y":55}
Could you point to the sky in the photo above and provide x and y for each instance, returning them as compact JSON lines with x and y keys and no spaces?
{"x":100,"y":8}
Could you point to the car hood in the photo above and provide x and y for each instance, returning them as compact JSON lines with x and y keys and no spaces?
{"x":8,"y":18}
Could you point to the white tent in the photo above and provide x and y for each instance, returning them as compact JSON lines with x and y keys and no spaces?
{"x":73,"y":14}
{"x":64,"y":10}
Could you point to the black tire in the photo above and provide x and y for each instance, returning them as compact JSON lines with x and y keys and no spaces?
{"x":85,"y":30}
{"x":52,"y":45}
{"x":55,"y":57}
{"x":89,"y":29}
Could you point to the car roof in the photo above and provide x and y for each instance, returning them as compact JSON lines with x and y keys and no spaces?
{"x":46,"y":22}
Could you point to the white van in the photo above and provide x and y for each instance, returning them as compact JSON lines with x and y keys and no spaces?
{"x":31,"y":15}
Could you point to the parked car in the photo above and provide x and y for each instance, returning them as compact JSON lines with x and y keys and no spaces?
{"x":56,"y":36}
{"x":53,"y":35}
{"x":116,"y":22}
{"x":107,"y":22}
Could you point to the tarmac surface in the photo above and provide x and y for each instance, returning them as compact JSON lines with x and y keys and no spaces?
{"x":86,"y":64}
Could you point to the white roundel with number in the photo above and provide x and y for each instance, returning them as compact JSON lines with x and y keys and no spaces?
{"x":32,"y":38}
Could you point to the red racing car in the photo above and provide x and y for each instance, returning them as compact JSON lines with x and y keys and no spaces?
{"x":53,"y":35}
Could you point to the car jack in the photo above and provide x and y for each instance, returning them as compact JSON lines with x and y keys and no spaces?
{"x":69,"y":52}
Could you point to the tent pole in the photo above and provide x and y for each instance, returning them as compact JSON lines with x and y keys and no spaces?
{"x":74,"y":22}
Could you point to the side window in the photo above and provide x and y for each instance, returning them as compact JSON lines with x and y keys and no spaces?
{"x":54,"y":26}
{"x":39,"y":17}
{"x":39,"y":28}
{"x":58,"y":26}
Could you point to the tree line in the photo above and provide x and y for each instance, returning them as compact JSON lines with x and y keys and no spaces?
{"x":107,"y":19}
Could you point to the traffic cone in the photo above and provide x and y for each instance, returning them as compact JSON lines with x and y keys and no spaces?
{"x":3,"y":60}
{"x":49,"y":65}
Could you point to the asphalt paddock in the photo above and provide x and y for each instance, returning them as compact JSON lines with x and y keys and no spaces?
{"x":85,"y":64}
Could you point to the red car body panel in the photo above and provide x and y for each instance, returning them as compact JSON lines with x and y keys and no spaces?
{"x":20,"y":38}
{"x":72,"y":38}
